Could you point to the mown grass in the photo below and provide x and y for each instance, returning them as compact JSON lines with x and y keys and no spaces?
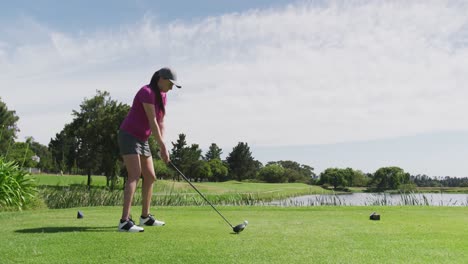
{"x":182,"y":186}
{"x":274,"y":235}
{"x":67,"y":180}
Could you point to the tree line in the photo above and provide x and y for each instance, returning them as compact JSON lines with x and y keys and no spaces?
{"x":88,"y":146}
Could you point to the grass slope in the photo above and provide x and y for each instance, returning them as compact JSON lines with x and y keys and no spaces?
{"x":275,"y":235}
{"x":66,"y":180}
{"x":164,"y":186}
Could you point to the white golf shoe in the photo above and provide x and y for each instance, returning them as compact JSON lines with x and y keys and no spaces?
{"x":150,"y":221}
{"x":129,"y":226}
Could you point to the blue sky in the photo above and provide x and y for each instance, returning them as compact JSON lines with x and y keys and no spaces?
{"x":360,"y":84}
{"x":88,"y":15}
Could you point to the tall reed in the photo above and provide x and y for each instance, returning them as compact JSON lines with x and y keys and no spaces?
{"x":78,"y":196}
{"x":16,"y":188}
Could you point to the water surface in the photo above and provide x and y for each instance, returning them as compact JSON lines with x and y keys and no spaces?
{"x":432,"y":199}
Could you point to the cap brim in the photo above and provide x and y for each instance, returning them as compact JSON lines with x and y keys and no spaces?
{"x":175,"y":83}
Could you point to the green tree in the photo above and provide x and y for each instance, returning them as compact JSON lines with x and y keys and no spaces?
{"x":193,"y":164}
{"x":214,"y":152}
{"x":241,"y":163}
{"x":189,"y":159}
{"x":8,"y":128}
{"x":334,"y":176}
{"x":63,"y":149}
{"x":389,"y":178}
{"x":88,"y":124}
{"x":360,"y":179}
{"x":272,"y":173}
{"x":96,"y":126}
{"x":114,"y":114}
{"x":295,"y":176}
{"x":201,"y":170}
{"x":162,"y":170}
{"x":177,"y":152}
{"x":45,"y":156}
{"x":22,"y":155}
{"x":343,"y":177}
{"x":90,"y":140}
{"x":218,"y":169}
{"x":296,"y":172}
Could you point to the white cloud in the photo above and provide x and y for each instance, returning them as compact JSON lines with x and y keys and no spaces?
{"x":299,"y":75}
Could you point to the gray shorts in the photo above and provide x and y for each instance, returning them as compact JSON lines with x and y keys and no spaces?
{"x":129,"y":144}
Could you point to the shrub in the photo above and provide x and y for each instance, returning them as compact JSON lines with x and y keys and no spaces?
{"x":16,"y":188}
{"x":162,"y":170}
{"x":407,"y":188}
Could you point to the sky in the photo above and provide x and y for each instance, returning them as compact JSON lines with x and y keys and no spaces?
{"x":361,"y":84}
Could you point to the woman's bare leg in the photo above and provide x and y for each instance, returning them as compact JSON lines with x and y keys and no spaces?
{"x":132,"y":163}
{"x":149,"y":177}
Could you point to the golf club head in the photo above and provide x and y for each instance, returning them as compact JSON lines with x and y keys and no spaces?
{"x":239,"y":228}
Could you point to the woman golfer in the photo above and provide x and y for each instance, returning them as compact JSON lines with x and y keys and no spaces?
{"x":146,"y":117}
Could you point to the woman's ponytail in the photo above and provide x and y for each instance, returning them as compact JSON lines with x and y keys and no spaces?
{"x":154,"y":86}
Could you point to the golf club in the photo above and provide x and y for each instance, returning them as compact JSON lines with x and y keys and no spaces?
{"x":237,"y":229}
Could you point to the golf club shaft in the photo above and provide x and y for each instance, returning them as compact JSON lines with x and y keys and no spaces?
{"x":187,"y":180}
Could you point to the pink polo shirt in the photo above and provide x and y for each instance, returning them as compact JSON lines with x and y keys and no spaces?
{"x":136,"y":123}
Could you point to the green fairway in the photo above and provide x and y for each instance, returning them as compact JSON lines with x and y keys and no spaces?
{"x":66,"y":180}
{"x":165,"y":186}
{"x":274,"y":235}
{"x":247,"y":187}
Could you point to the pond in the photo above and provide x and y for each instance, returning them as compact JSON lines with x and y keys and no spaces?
{"x":363,"y":199}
